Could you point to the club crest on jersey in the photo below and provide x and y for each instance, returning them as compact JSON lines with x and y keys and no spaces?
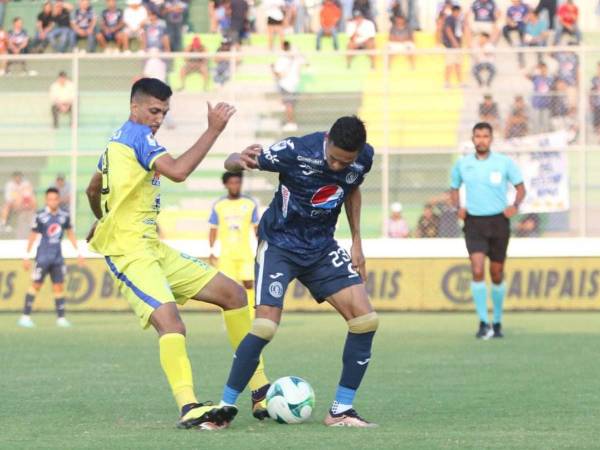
{"x":351,"y":177}
{"x":151,"y":140}
{"x":327,"y":197}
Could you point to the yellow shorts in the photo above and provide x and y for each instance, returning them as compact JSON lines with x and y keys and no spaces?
{"x":237,"y":269}
{"x":156,"y":275}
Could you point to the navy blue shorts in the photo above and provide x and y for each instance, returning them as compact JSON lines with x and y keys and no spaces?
{"x":56,"y":269}
{"x":323,"y":274}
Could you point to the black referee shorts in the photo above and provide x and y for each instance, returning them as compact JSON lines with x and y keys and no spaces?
{"x":488,"y":235}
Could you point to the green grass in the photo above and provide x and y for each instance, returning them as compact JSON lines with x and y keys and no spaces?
{"x":431,"y":385}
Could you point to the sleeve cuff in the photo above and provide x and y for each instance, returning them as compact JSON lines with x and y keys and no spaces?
{"x":154,"y":158}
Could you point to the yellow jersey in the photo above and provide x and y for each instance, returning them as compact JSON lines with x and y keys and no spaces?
{"x":130,"y":191}
{"x":235,"y":220}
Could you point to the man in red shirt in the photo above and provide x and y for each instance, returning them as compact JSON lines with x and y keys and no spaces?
{"x":568,"y":14}
{"x":330,"y":16}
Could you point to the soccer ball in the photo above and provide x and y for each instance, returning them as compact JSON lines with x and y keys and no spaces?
{"x":290,"y":400}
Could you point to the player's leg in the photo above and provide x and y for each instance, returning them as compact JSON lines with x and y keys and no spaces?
{"x":57,"y":276}
{"x":25,"y":320}
{"x":497,"y":254}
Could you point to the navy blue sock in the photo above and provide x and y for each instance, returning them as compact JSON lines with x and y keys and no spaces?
{"x":244,"y":364}
{"x":29,"y":299}
{"x":357,"y":354}
{"x":60,"y":306}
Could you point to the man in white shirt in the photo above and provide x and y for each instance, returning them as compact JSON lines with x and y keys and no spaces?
{"x":361,"y":33}
{"x":62,"y":94}
{"x":19,"y":201}
{"x":287,"y":70}
{"x":134,"y":17}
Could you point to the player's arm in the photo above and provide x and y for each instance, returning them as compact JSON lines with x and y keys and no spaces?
{"x":212,"y":239}
{"x":236,"y":162}
{"x":73,"y":240}
{"x":27,"y":261}
{"x":352,"y":205}
{"x":93,"y":192}
{"x":455,"y":183}
{"x":514,"y":208}
{"x":178,"y":169}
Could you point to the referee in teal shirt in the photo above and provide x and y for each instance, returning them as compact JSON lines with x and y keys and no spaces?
{"x":486,"y":217}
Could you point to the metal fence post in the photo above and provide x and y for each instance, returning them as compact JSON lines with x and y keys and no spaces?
{"x":582,"y":108}
{"x":74,"y":137}
{"x":385,"y":157}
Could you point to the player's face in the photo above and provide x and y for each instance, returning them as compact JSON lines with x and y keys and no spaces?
{"x":482,"y":140}
{"x":150,"y":111}
{"x":234,"y":186}
{"x":52,"y":201}
{"x":339,"y":159}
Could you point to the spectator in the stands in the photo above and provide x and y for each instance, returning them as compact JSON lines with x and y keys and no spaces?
{"x":408,"y":9}
{"x":445,"y":210}
{"x":361,"y":36}
{"x":595,"y":100}
{"x":536,"y":32}
{"x":516,"y":16}
{"x":517,"y":123}
{"x":3,"y":50}
{"x":452,"y":33}
{"x":2,"y":12}
{"x":223,"y":68}
{"x":550,"y":7}
{"x":346,"y":6}
{"x":134,"y":17}
{"x":155,"y":5}
{"x":366,"y":9}
{"x":61,"y":36}
{"x":483,"y":18}
{"x":488,"y":111}
{"x":329,"y":17}
{"x":83,"y":24}
{"x":444,"y":9}
{"x":396,"y":226}
{"x":542,"y":97}
{"x":155,"y":34}
{"x":18,"y":41}
{"x":111,"y":26}
{"x":287,"y":72}
{"x":401,"y":39}
{"x":568,"y":15}
{"x":484,"y":60}
{"x":62,"y":95}
{"x":43,"y":26}
{"x":213,"y":6}
{"x":528,"y":226}
{"x":64,"y":191}
{"x":275,"y":12}
{"x":195,"y":65}
{"x":563,"y":112}
{"x":238,"y":26}
{"x":174,"y":14}
{"x":19,"y":205}
{"x":428,"y":224}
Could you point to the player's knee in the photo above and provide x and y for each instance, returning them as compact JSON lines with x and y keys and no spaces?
{"x":478,"y":274}
{"x":264,"y":329}
{"x":235,"y":297}
{"x":366,"y":323}
{"x":34,"y":289}
{"x":248,"y":284}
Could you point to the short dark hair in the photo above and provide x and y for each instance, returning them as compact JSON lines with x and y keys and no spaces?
{"x":348,"y":133}
{"x":228,"y":175}
{"x":456,"y":8}
{"x":286,"y":45}
{"x":152,"y":87}
{"x":52,"y":190}
{"x":16,"y":19}
{"x":483,"y":126}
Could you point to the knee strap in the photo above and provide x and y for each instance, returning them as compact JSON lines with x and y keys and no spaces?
{"x":364,"y":324}
{"x":264,"y":328}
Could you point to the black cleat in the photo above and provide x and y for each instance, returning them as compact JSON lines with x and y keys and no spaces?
{"x":497,"y":331}
{"x":199,"y":415}
{"x":259,"y":403}
{"x":485,"y":331}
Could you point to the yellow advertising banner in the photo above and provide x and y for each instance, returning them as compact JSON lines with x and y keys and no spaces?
{"x":412,"y":284}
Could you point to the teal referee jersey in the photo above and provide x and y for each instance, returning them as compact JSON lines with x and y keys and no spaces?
{"x":486,"y":182}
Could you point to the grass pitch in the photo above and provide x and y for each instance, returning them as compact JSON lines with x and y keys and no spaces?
{"x":430,"y":385}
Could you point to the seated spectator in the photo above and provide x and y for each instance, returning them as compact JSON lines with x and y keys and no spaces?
{"x":595,"y":100}
{"x":517,"y":123}
{"x":361,"y":33}
{"x":195,"y":65}
{"x":568,"y":67}
{"x":61,"y":37}
{"x":452,"y":33}
{"x":407,"y":9}
{"x":287,"y":72}
{"x":448,"y":219}
{"x":3,"y":50}
{"x":483,"y":59}
{"x":559,"y":106}
{"x":238,"y":26}
{"x":83,"y":24}
{"x":213,"y":6}
{"x":401,"y":39}
{"x":275,"y":12}
{"x":330,"y":15}
{"x":43,"y":26}
{"x":64,"y":191}
{"x":19,"y":205}
{"x":542,"y":97}
{"x":17,"y":43}
{"x":483,"y":17}
{"x":396,"y":225}
{"x":528,"y":226}
{"x":174,"y":13}
{"x":134,"y":17}
{"x":223,"y":69}
{"x":111,"y":26}
{"x":536,"y":32}
{"x":568,"y":14}
{"x":155,"y":35}
{"x":516,"y":16}
{"x":62,"y":94}
{"x":488,"y":111}
{"x":429,"y":223}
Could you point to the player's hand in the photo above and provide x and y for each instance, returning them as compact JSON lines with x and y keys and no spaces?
{"x":462,"y":213}
{"x":248,"y":157}
{"x":358,"y":261}
{"x":510,"y":211}
{"x":90,"y":234}
{"x":26,"y":264}
{"x":219,"y":116}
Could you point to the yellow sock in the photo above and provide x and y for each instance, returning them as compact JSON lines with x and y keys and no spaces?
{"x":251,"y":310}
{"x":176,"y":365}
{"x":238,"y":323}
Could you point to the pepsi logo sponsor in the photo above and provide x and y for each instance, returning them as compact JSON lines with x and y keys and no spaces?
{"x":327,"y":197}
{"x":53,"y":230}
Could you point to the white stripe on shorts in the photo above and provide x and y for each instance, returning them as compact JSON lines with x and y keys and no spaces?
{"x":260,"y":259}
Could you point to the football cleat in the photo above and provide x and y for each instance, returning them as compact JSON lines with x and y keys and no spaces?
{"x":485,"y":331}
{"x":63,"y":322}
{"x":199,"y":414}
{"x":349,"y":418}
{"x":26,"y":322}
{"x":497,"y":327}
{"x":259,"y":403}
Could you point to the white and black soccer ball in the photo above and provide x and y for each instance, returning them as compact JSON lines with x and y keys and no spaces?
{"x":290,"y":400}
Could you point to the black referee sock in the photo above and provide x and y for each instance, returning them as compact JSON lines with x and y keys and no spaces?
{"x":60,"y":306}
{"x":29,"y":299}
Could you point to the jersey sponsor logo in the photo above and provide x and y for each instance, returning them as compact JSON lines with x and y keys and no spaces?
{"x":282,"y":145}
{"x":316,"y":162}
{"x":327,"y":197}
{"x":270,"y":156}
{"x":151,"y":140}
{"x":53,"y":230}
{"x":274,"y":276}
{"x":362,"y":363}
{"x":285,"y":195}
{"x":116,"y":135}
{"x":276,"y":289}
{"x":156,"y":179}
{"x":308,"y":170}
{"x":351,"y":177}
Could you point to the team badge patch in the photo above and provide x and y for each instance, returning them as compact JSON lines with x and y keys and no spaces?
{"x":276,"y":289}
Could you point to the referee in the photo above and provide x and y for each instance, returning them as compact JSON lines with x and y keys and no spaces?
{"x":486,"y":175}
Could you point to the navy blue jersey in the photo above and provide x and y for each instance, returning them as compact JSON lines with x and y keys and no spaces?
{"x":52,"y":228}
{"x":112,"y":18}
{"x":83,"y":18}
{"x":304,"y":212}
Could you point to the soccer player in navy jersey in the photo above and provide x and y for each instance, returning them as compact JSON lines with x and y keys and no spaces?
{"x":318,"y":173}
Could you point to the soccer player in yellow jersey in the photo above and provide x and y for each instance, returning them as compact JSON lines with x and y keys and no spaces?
{"x":125,"y":197}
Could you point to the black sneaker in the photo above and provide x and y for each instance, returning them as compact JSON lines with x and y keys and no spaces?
{"x":485,"y":331}
{"x":497,"y":330}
